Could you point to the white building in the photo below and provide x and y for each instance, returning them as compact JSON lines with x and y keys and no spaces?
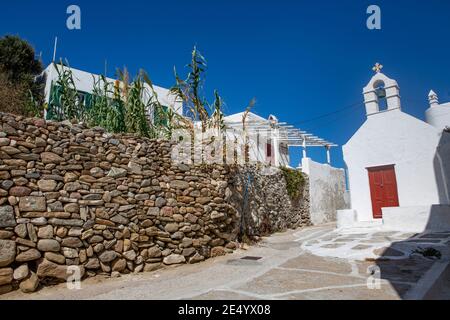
{"x":265,"y":143}
{"x":270,"y":143}
{"x":270,"y":139}
{"x":84,"y":84}
{"x":398,"y":166}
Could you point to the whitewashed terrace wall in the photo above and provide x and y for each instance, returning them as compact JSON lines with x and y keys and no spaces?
{"x":327,"y":190}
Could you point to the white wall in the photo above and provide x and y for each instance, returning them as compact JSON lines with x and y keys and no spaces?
{"x":84,"y":81}
{"x":327,"y":190}
{"x":257,"y":145}
{"x":420,"y":218}
{"x":439,"y":115}
{"x":257,"y":151}
{"x":394,"y":137}
{"x":442,"y":161}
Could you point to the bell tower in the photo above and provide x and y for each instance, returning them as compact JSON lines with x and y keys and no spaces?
{"x":381,"y":93}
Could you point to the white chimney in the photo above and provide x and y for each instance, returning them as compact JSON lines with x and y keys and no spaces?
{"x":433,"y":99}
{"x":438,"y":115}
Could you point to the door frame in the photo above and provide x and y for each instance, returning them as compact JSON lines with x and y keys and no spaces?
{"x":395,"y":185}
{"x":270,"y":150}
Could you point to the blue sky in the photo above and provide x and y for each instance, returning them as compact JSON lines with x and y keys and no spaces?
{"x":300,"y":59}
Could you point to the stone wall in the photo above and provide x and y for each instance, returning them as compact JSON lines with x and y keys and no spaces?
{"x":111,"y":204}
{"x":108,"y":203}
{"x":259,"y":194}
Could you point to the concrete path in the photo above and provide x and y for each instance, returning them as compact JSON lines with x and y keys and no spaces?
{"x":308,"y":263}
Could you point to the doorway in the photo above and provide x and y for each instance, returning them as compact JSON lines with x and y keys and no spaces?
{"x":383,"y":189}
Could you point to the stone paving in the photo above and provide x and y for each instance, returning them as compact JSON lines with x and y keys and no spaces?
{"x":375,"y":243}
{"x":310,"y":263}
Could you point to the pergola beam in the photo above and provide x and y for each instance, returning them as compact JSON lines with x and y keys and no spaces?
{"x":285,"y":132}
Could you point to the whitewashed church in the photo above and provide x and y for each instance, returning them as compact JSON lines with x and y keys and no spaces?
{"x":398,"y":165}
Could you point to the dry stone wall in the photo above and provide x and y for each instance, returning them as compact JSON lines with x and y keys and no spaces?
{"x":107,"y":203}
{"x":111,"y":204}
{"x":259,"y":194}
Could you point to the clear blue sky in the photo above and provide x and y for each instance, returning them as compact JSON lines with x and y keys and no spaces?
{"x":300,"y":59}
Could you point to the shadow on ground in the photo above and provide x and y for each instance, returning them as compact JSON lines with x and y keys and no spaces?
{"x":415,"y":267}
{"x":428,"y":254}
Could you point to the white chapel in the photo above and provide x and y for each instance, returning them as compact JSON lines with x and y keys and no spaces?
{"x":398,"y":165}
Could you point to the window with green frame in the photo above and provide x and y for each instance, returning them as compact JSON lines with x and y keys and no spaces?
{"x":55,"y":100}
{"x":160,"y":118}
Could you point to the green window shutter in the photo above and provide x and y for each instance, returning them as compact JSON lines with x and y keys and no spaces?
{"x":54,"y":102}
{"x":87,"y":101}
{"x":161,"y":119}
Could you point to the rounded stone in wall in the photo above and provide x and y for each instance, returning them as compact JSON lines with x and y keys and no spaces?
{"x":47,"y":185}
{"x":28,"y":255}
{"x":48,"y":245}
{"x":7,"y":252}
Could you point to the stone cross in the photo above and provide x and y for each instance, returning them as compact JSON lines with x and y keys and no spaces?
{"x":377,"y":68}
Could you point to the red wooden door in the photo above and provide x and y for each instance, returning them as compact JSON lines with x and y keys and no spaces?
{"x":383,"y":189}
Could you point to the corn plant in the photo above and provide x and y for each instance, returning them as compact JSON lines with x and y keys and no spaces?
{"x":124,"y":77}
{"x":116,"y":112}
{"x":32,"y":106}
{"x":162,"y":125}
{"x":65,"y":101}
{"x":217,"y":117}
{"x":244,"y":129}
{"x":136,"y":118}
{"x":189,"y":91}
{"x":168,"y":119}
{"x":107,"y":109}
{"x":100,"y":102}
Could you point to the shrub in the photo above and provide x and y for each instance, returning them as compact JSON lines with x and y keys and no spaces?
{"x":12,"y":96}
{"x":136,"y":117}
{"x":22,"y":89}
{"x":64,"y":101}
{"x":294,"y":182}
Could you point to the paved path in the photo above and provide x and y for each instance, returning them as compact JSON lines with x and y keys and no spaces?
{"x":376,"y":243}
{"x":308,"y":263}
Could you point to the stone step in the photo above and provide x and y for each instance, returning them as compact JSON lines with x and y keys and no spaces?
{"x":368,"y":224}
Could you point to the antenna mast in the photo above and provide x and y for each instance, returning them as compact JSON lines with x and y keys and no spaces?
{"x":54,"y":49}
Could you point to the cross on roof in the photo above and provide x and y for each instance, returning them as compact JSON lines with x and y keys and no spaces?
{"x":377,"y":68}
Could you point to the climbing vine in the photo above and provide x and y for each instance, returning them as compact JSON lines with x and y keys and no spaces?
{"x":294,"y":182}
